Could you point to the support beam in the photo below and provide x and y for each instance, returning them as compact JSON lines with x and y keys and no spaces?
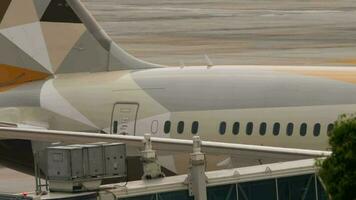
{"x":197,"y":179}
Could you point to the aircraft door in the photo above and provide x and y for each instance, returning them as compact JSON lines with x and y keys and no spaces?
{"x":124,"y":119}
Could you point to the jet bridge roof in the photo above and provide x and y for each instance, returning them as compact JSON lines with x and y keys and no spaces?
{"x":296,"y":179}
{"x":276,"y":180}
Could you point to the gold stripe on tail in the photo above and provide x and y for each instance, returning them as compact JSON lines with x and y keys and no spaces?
{"x":11,"y":76}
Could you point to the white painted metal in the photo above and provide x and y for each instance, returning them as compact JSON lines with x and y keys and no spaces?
{"x":151,"y":168}
{"x":196,"y":178}
{"x":220,"y":177}
{"x":166,"y":144}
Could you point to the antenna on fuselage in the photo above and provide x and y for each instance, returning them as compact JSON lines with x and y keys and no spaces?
{"x":208,"y":61}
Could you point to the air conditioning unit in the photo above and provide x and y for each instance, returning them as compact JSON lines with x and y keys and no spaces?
{"x":75,"y":168}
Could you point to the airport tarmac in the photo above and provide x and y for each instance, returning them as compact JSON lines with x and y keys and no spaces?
{"x":15,"y":182}
{"x":264,"y":32}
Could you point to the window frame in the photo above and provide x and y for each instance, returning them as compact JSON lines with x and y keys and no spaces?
{"x":303,"y":126}
{"x":249,"y":128}
{"x":195,"y":127}
{"x":180,"y":127}
{"x":290,"y":129}
{"x":236,"y":126}
{"x":275,"y":125}
{"x":328,"y":129}
{"x":317,"y":126}
{"x":169,"y":124}
{"x":222,"y":127}
{"x":264,"y":126}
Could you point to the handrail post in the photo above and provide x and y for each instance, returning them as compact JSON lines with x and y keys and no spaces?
{"x":151,"y":168}
{"x":197,"y":179}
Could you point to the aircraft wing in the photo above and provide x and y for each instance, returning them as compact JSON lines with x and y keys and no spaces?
{"x":244,"y":154}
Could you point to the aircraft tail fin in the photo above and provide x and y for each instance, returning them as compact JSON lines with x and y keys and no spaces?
{"x":58,"y":36}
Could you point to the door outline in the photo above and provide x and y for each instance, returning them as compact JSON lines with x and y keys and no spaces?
{"x":112,"y":115}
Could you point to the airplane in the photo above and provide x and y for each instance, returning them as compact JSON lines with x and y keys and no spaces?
{"x":62,"y":78}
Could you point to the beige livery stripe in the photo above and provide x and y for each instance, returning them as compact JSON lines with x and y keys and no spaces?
{"x":349,"y":77}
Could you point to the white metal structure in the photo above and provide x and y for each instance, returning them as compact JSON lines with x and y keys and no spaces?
{"x":277,"y":173}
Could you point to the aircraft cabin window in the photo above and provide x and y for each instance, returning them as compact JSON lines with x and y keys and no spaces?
{"x":276,"y":128}
{"x":222,"y":128}
{"x":290,"y":127}
{"x":330,"y":129}
{"x":303,"y":129}
{"x":167,"y":127}
{"x":180,"y":127}
{"x":263,"y":128}
{"x":316,"y":130}
{"x":115,"y":126}
{"x":249,"y":128}
{"x":236,"y":128}
{"x":154,"y":126}
{"x":195,"y":127}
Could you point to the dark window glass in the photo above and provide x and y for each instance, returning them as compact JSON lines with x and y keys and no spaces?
{"x":322,"y":195}
{"x":290,"y":127}
{"x":316,"y":130}
{"x":226,"y":192}
{"x":236,"y":128}
{"x":195,"y":127}
{"x":167,"y":126}
{"x":256,"y":190}
{"x":115,"y":126}
{"x":249,"y":128}
{"x":222,"y":128}
{"x":330,"y":128}
{"x":142,"y":197}
{"x":276,"y":128}
{"x":303,"y":129}
{"x":297,"y":187}
{"x":180,"y":127}
{"x":263,"y":128}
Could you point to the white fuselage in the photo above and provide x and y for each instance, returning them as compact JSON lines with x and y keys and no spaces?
{"x":262,"y":105}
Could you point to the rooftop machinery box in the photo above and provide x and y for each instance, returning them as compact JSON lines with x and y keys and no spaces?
{"x":99,"y":160}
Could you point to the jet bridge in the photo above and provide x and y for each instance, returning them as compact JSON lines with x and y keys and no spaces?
{"x":277,"y":181}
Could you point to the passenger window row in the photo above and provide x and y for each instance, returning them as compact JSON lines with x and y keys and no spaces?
{"x":276,"y":128}
{"x":180,"y":127}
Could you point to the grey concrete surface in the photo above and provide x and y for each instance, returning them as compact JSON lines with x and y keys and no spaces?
{"x":12,"y":182}
{"x":292,"y":32}
{"x":281,"y":32}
